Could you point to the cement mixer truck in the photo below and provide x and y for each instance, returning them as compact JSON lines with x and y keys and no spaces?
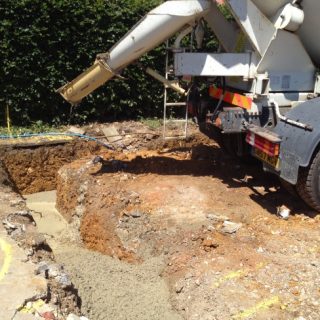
{"x":262,"y":82}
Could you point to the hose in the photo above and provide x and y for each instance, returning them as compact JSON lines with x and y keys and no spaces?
{"x":68,"y":134}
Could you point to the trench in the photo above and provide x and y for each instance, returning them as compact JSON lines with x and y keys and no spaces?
{"x":118,"y":266}
{"x":111,"y":286}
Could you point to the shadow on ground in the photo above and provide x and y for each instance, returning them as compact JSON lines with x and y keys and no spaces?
{"x":211,"y":161}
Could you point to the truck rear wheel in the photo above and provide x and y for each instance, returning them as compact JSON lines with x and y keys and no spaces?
{"x":308,"y":186}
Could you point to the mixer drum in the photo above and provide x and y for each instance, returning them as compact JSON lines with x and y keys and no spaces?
{"x":308,"y":30}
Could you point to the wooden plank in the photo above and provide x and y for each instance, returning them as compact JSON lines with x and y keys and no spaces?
{"x":35,"y":141}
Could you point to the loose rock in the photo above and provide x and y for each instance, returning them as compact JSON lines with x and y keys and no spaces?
{"x":217,"y":218}
{"x":230,"y":227}
{"x":135,"y":214}
{"x":283,"y":212}
{"x":209,"y":243}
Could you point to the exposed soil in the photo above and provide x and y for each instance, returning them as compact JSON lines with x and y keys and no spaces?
{"x":160,"y":213}
{"x":34,"y":169}
{"x":165,"y":201}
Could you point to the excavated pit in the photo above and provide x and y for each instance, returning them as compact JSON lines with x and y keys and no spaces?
{"x":142,"y":231}
{"x":34,"y":169}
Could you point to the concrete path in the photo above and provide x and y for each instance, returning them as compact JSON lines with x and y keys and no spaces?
{"x":17,"y":279}
{"x":18,"y":282}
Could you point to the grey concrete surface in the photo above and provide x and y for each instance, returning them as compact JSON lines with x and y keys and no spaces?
{"x":17,"y":279}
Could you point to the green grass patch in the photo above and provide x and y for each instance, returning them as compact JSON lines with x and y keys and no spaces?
{"x":36,"y":127}
{"x":153,"y":123}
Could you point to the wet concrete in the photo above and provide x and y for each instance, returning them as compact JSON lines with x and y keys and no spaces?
{"x":109,"y":288}
{"x":115,"y":290}
{"x":48,"y":219}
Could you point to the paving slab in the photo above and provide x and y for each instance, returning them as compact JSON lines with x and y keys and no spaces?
{"x":111,"y":133}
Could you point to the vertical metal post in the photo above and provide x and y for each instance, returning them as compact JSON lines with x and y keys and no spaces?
{"x":165,"y":94}
{"x":8,"y":119}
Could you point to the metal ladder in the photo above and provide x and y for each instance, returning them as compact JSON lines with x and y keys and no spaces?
{"x":176,"y":104}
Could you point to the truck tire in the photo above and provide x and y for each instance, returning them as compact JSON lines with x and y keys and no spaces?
{"x":308,"y":185}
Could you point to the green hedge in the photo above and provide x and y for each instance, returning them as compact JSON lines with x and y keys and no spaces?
{"x":45,"y":43}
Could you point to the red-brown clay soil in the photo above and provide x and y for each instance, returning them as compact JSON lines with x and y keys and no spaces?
{"x":34,"y":169}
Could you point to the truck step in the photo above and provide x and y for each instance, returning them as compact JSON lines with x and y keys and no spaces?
{"x":176,"y":104}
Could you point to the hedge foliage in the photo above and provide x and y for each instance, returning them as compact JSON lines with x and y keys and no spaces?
{"x":45,"y":43}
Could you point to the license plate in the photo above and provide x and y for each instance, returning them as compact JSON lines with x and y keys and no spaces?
{"x":272,"y":161}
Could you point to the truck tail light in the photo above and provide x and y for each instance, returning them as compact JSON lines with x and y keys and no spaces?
{"x":269,"y":147}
